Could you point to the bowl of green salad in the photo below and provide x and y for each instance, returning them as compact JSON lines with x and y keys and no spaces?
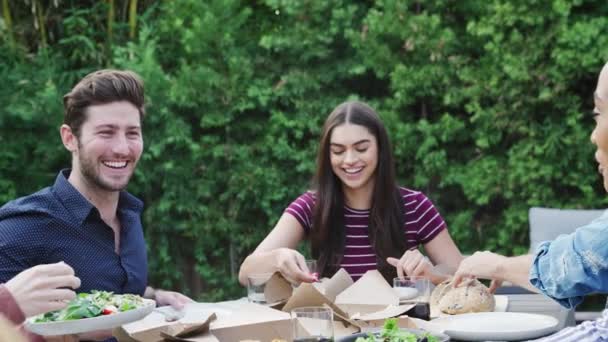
{"x":391,"y":332}
{"x":98,"y":310}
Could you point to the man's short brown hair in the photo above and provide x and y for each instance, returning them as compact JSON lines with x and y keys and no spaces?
{"x":101,"y":87}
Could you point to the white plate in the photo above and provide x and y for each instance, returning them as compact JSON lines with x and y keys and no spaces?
{"x":505,"y":326}
{"x":83,"y":325}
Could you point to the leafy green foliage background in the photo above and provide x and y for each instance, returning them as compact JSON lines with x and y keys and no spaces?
{"x":486,"y":103}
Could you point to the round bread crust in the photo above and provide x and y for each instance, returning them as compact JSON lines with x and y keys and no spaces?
{"x":471,"y":296}
{"x":440,"y":290}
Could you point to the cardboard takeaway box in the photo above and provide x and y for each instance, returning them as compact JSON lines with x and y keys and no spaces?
{"x":358,"y":306}
{"x":211,"y":322}
{"x":363,"y":304}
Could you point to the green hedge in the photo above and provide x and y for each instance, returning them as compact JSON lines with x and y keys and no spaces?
{"x":485,"y":101}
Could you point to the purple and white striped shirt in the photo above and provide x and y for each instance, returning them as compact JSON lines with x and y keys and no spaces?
{"x":422,"y":224}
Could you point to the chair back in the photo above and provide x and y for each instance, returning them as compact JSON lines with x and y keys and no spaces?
{"x":548,"y":223}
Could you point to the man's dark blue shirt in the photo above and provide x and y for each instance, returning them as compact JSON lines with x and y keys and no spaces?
{"x":59,"y":224}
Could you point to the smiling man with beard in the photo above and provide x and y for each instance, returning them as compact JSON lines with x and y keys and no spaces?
{"x":86,"y":218}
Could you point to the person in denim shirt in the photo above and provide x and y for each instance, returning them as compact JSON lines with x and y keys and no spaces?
{"x":572,"y":265}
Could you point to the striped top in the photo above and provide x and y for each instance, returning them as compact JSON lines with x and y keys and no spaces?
{"x":422,"y":223}
{"x":596,"y":330}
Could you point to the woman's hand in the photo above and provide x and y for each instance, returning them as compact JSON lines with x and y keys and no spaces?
{"x":412,"y":263}
{"x":43,"y":288}
{"x":292,"y":266}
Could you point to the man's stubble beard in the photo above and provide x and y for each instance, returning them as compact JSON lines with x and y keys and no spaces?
{"x":93,"y":178}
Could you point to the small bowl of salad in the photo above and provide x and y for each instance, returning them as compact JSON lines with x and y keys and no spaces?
{"x":392,"y":333}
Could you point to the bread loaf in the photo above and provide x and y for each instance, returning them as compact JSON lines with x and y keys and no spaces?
{"x":470,"y":296}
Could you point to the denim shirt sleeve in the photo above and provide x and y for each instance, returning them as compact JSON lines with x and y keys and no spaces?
{"x":573,"y":265}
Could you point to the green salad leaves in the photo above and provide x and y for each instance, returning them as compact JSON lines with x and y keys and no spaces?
{"x":96,"y":303}
{"x":391,"y":333}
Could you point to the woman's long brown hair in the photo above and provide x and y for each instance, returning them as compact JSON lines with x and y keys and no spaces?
{"x":386,"y":214}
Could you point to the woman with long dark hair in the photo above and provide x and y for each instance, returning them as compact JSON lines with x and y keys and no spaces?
{"x":357,"y":217}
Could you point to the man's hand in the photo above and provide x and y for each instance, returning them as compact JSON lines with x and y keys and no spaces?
{"x":480,"y":265}
{"x":43,"y":288}
{"x":175,"y":299}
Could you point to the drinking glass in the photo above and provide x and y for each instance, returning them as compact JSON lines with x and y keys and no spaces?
{"x":414,"y":290}
{"x":312,"y":265}
{"x":313,"y":324}
{"x":256,"y":284}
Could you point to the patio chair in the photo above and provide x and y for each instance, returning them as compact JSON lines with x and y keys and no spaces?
{"x":547,"y":224}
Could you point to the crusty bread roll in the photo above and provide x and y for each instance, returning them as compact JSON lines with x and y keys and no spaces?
{"x":439,"y":291}
{"x":470,"y":296}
